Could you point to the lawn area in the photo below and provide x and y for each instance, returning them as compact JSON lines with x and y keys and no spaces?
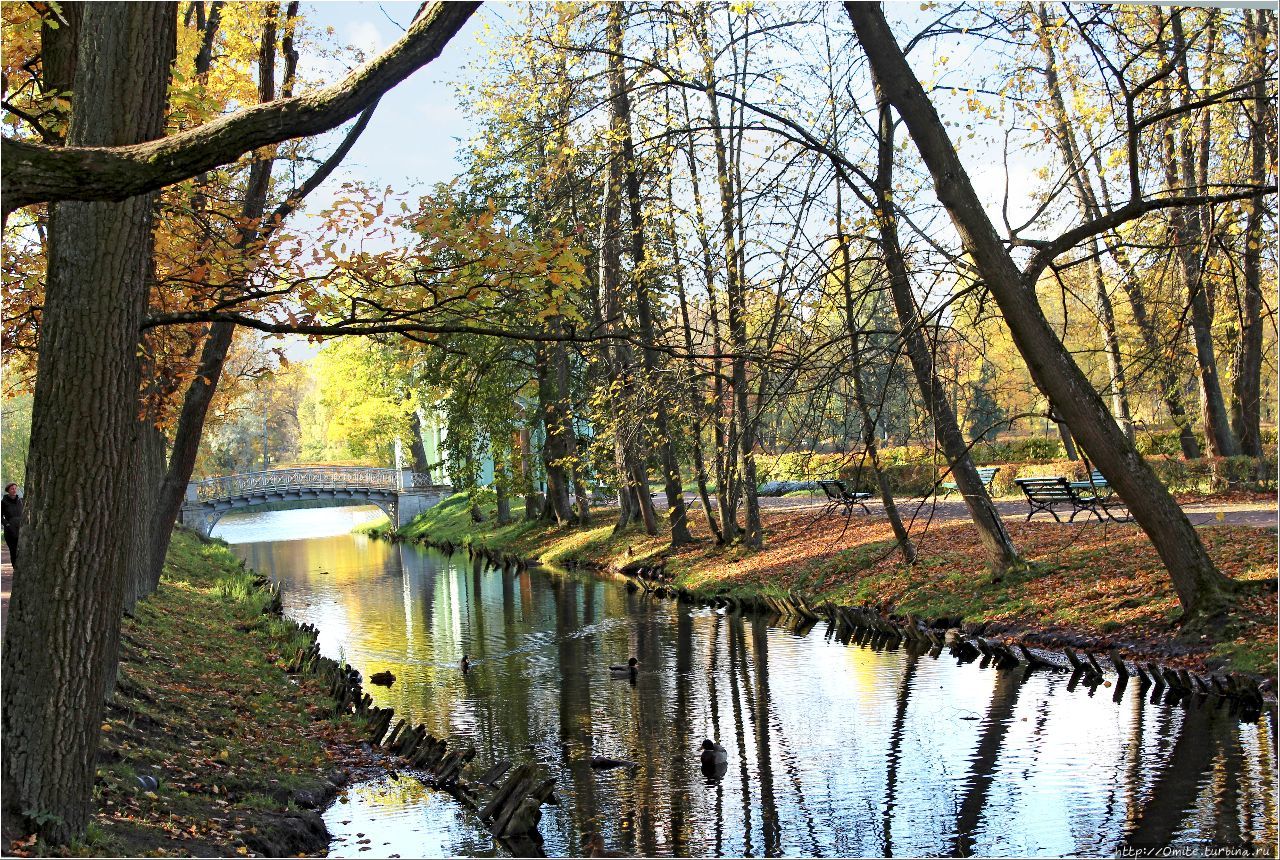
{"x":238,"y":749}
{"x":1086,"y":585}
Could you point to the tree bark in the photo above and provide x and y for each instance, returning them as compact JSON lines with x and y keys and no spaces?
{"x":417,"y":449}
{"x":63,"y":629}
{"x":1200,"y":585}
{"x":623,"y":148}
{"x":999,"y":548}
{"x":36,"y":173}
{"x":1189,"y":239}
{"x":1246,"y":385}
{"x":753,"y":532}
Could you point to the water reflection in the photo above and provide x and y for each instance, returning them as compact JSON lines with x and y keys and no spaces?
{"x":834,"y":750}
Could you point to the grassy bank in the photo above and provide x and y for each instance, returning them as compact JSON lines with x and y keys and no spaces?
{"x":240,"y":752}
{"x":1092,"y":585}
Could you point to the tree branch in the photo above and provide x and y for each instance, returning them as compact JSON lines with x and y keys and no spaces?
{"x":35,"y":173}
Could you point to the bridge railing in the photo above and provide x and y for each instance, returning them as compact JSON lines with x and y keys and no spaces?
{"x":310,"y":478}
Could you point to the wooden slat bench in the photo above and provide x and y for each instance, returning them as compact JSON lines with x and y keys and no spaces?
{"x":1097,"y":484}
{"x":987,"y":474}
{"x":840,"y":496}
{"x":1049,"y":494}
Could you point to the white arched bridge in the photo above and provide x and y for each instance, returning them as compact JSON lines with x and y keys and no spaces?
{"x":401,"y":493}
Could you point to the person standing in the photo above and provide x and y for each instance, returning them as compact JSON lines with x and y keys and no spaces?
{"x":11,"y":515}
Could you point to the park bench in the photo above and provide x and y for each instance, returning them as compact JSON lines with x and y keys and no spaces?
{"x":1048,"y":494}
{"x":987,"y":474}
{"x":840,"y":496}
{"x":1096,"y":484}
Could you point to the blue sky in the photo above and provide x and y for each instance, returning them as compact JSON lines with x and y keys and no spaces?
{"x":413,"y":135}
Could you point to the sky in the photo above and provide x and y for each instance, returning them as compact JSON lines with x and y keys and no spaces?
{"x":413,"y":136}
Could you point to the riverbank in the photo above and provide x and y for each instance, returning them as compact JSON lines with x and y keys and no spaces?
{"x":1089,"y":585}
{"x":209,"y":747}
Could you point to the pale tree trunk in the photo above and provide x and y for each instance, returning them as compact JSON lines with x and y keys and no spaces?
{"x":1089,"y":207}
{"x":1189,"y":237}
{"x":905,"y":544}
{"x":753,"y":533}
{"x":500,"y":490}
{"x":633,"y":482}
{"x":1246,"y":385}
{"x":62,"y":634}
{"x":696,"y":398}
{"x":996,"y":543}
{"x":728,"y":528}
{"x":1201,"y":587}
{"x":624,"y":149}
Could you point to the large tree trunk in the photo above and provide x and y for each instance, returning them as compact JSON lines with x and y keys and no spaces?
{"x":63,"y":629}
{"x":417,"y":448}
{"x":1000,"y":551}
{"x":1200,"y":585}
{"x":557,"y":447}
{"x":1246,"y":385}
{"x":624,"y":149}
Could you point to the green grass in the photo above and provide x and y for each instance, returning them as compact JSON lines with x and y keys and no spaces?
{"x":202,"y":703}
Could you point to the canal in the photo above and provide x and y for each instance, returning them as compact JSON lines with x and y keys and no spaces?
{"x":833,"y":749}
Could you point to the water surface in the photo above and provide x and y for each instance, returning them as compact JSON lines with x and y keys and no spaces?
{"x":834,"y":749}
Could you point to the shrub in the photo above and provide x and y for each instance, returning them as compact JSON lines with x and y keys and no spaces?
{"x":1029,"y":449}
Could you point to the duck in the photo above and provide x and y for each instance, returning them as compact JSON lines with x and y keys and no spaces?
{"x":628,"y":669}
{"x":594,"y":845}
{"x":713,"y":753}
{"x":465,"y":664}
{"x":382,"y":679}
{"x":601,"y":762}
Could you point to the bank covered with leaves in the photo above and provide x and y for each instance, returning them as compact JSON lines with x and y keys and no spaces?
{"x":1092,"y":586}
{"x":209,"y":747}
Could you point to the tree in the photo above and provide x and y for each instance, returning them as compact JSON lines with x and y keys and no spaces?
{"x":36,"y":173}
{"x":1201,"y":587}
{"x":63,"y":629}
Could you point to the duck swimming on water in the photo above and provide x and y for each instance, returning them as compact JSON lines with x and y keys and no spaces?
{"x":624,"y":671}
{"x":714,"y":753}
{"x":465,"y":664}
{"x":715,"y":760}
{"x":382,"y":679}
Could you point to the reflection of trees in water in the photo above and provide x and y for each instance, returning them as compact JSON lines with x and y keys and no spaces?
{"x":1209,"y":734}
{"x":516,"y":626}
{"x":894,"y":759}
{"x":982,"y":764}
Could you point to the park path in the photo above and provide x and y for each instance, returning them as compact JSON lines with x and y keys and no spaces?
{"x":1256,"y":514}
{"x":1207,"y":513}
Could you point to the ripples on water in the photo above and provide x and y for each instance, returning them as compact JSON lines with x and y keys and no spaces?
{"x":834,"y":750}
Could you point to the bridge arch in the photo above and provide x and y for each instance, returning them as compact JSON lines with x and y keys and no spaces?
{"x":401,"y":494}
